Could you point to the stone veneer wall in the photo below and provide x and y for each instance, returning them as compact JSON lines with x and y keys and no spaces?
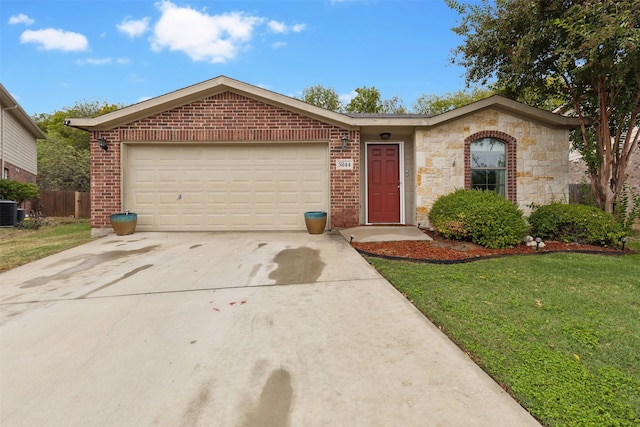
{"x":542,"y":159}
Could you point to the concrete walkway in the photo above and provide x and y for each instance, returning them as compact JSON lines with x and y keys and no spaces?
{"x":228,"y":329}
{"x":381,"y":233}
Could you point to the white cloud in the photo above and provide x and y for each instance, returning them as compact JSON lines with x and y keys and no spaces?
{"x":346,"y":97}
{"x":277,"y":45}
{"x":123,"y":61}
{"x":277,"y":27}
{"x":134,"y":28}
{"x":203,"y":37}
{"x":52,"y":39}
{"x":143,"y":98}
{"x":282,"y":28}
{"x":95,"y":61}
{"x":20,"y":18}
{"x":298,"y":28}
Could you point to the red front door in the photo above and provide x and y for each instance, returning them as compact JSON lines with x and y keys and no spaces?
{"x":383,"y":183}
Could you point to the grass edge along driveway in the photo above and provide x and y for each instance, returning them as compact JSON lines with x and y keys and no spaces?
{"x":560,"y":332}
{"x":22,"y":246}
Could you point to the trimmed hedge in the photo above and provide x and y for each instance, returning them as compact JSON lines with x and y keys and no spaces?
{"x":575,"y":223}
{"x":482,"y":217}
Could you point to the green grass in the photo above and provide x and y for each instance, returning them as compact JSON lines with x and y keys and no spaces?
{"x":561,"y":332}
{"x":21,"y":246}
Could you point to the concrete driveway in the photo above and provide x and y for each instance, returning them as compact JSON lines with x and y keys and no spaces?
{"x":228,"y":329}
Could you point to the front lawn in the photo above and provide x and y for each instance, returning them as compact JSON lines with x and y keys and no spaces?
{"x":21,"y":246}
{"x":560,"y":332}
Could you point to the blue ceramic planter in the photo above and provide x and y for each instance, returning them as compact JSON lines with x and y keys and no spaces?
{"x":315,"y":222}
{"x":124,"y":223}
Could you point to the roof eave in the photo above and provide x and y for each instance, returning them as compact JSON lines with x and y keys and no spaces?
{"x":511,"y":106}
{"x":202,"y":90}
{"x":8,"y":102}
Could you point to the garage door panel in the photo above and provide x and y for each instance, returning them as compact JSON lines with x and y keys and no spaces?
{"x":313,"y":176}
{"x":214,"y":177}
{"x":192,"y":176}
{"x":167,"y":220}
{"x":312,"y":199}
{"x":223,"y":187}
{"x":265,"y":199}
{"x":193,"y":199}
{"x":143,"y":176}
{"x":166,"y":199}
{"x":144,"y":198}
{"x":241,"y":176}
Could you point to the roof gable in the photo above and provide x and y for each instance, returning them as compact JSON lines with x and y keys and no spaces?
{"x":223,"y":84}
{"x":199,"y":92}
{"x":514,"y":107}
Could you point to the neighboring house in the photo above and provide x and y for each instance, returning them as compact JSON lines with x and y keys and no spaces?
{"x":18,"y":145}
{"x":578,"y":168}
{"x":226,"y":155}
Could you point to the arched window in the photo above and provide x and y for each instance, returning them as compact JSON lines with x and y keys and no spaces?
{"x":488,"y":167}
{"x":490,"y":162}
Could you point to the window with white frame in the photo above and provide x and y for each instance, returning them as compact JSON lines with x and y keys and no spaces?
{"x":488,"y":167}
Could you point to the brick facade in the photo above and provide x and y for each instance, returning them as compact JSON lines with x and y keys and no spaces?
{"x":224,"y":118}
{"x":18,"y":174}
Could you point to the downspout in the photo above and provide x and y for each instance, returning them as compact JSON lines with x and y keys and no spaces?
{"x":2,"y":137}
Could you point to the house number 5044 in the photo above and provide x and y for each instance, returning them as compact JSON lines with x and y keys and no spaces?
{"x":344,"y":164}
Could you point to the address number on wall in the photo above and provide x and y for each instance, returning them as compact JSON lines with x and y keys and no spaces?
{"x":344,"y":164}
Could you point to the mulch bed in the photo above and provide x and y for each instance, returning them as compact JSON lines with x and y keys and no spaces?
{"x":449,"y":252}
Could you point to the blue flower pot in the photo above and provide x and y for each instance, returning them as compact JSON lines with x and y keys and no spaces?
{"x":315,"y":222}
{"x":124,"y":223}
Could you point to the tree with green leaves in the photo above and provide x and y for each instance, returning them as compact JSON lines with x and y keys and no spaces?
{"x":393,"y":105}
{"x":322,"y":97}
{"x":62,"y":166}
{"x":367,"y":100}
{"x":63,"y":157}
{"x":585,"y":52}
{"x":52,"y":124}
{"x":438,"y":104}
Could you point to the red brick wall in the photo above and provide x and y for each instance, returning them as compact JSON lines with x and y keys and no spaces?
{"x":225,"y":117}
{"x":17,"y":174}
{"x":106,"y":176}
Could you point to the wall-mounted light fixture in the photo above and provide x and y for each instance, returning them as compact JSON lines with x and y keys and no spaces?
{"x":385,"y":135}
{"x":345,"y":140}
{"x":102,"y":142}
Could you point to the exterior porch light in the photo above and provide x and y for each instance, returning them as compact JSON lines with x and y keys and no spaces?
{"x":345,"y":140}
{"x":102,"y":142}
{"x":385,"y":135}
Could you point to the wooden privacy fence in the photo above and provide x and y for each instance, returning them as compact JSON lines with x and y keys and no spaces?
{"x":64,"y":203}
{"x":577,"y":193}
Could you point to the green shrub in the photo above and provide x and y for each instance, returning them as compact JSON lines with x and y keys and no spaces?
{"x":575,"y":223}
{"x":18,"y":191}
{"x":483,"y":217}
{"x":628,"y":207}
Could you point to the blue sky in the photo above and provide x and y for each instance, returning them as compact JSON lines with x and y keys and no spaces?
{"x":54,"y":53}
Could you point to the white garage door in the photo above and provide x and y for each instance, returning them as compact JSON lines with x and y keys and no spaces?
{"x":225,"y":187}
